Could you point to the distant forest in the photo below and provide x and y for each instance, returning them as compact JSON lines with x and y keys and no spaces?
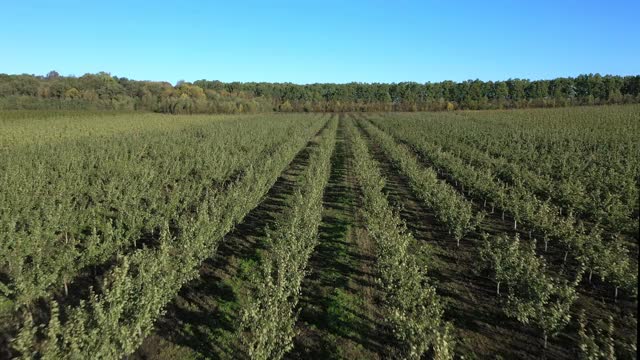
{"x":102,"y":91}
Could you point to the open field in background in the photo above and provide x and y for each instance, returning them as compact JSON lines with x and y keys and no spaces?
{"x":472,"y":234}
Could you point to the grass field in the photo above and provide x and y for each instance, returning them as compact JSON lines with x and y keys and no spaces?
{"x":466,"y":234}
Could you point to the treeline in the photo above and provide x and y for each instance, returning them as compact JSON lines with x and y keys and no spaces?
{"x":102,"y":91}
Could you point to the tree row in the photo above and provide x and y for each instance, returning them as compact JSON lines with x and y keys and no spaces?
{"x":267,"y":319}
{"x":115,"y":318}
{"x":103,"y":91}
{"x":608,"y":258}
{"x":413,"y":309}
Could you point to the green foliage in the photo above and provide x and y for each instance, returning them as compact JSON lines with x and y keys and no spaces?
{"x":267,"y":320}
{"x":533,"y":296}
{"x":103,"y":91}
{"x":341,"y":312}
{"x":413,"y":310}
{"x":139,"y":201}
{"x":151,"y":181}
{"x":450,"y":207}
{"x":532,"y":167}
{"x":596,"y":341}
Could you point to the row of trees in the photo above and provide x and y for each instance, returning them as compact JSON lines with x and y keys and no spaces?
{"x":103,"y":91}
{"x":451,"y":208}
{"x":414,"y":312}
{"x":267,"y":320}
{"x":120,"y":312}
{"x":111,"y":197}
{"x":534,"y":297}
{"x":533,"y":294}
{"x":600,"y":193}
{"x":609,"y":258}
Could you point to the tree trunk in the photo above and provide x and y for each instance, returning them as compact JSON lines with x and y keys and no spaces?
{"x":546,"y":243}
{"x":515,"y":224}
{"x":66,"y":289}
{"x":498,"y":288}
{"x":564,"y":261}
{"x":493,"y":208}
{"x":615,"y":295}
{"x":590,"y":275}
{"x":458,"y":242}
{"x":545,"y":341}
{"x":502,"y":214}
{"x":484,"y":205}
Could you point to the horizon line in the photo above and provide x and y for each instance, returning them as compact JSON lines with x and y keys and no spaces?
{"x":319,"y":83}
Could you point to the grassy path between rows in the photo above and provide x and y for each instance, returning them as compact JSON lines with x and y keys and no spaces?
{"x":340,"y":315}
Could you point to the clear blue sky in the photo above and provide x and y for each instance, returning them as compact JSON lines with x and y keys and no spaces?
{"x":322,"y":41}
